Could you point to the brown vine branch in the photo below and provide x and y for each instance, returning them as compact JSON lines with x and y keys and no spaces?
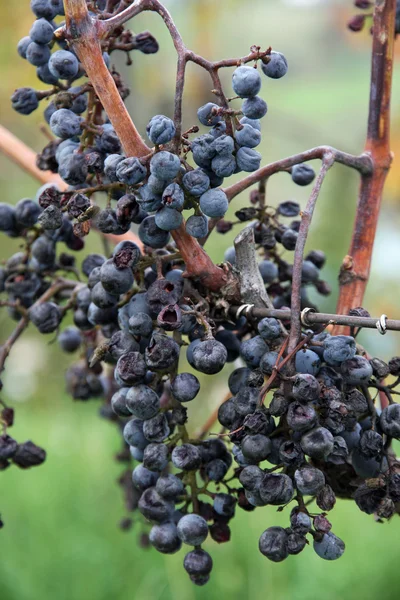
{"x":85,"y":33}
{"x":306,"y":217}
{"x":361,"y":163}
{"x":355,"y":270}
{"x":25,"y":158}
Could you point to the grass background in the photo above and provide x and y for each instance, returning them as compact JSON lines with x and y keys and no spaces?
{"x":61,"y":539}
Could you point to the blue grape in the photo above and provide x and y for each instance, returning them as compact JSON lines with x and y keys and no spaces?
{"x":65,"y":124}
{"x":303,"y":174}
{"x":47,"y":9}
{"x":254,"y":108}
{"x":223,"y":165}
{"x":203,"y":150}
{"x":173,"y":197}
{"x":276,"y":67}
{"x":214,"y":203}
{"x":44,"y":74}
{"x":24,"y":100}
{"x":224,"y":145}
{"x":115,"y":281}
{"x":196,"y":182}
{"x":147,"y":199}
{"x":218,"y":129}
{"x":160,"y":129}
{"x":317,"y":443}
{"x":110,"y":166}
{"x":130,"y":171}
{"x":390,"y":420}
{"x":151,"y":235}
{"x":79,"y":104}
{"x":255,"y":123}
{"x":209,"y":357}
{"x":63,"y":64}
{"x":165,"y":165}
{"x":23,"y":46}
{"x":164,"y":538}
{"x":27,"y":212}
{"x":248,"y":136}
{"x":356,"y":370}
{"x":268,"y":270}
{"x":108,"y":140}
{"x":247,"y":159}
{"x":269,"y":329}
{"x":143,"y":478}
{"x":133,"y":430}
{"x":41,"y":31}
{"x":309,"y":480}
{"x":192,"y":529}
{"x":37,"y":54}
{"x":330,"y":547}
{"x":197,"y":226}
{"x":338,"y":348}
{"x":307,"y":361}
{"x":246,"y":81}
{"x":273,"y":544}
{"x":185,"y":387}
{"x":206,"y":116}
{"x":168,"y":219}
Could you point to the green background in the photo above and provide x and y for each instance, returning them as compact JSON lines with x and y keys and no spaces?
{"x":61,"y":539}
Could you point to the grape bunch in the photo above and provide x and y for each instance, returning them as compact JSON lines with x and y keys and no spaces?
{"x":298,"y":427}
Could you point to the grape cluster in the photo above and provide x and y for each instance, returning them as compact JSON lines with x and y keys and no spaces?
{"x":23,"y":455}
{"x":297,"y":427}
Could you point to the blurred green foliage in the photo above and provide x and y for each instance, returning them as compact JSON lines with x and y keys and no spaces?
{"x":61,"y":539}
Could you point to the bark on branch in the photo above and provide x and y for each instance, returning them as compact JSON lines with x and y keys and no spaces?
{"x":252,"y":287}
{"x":355,"y":270}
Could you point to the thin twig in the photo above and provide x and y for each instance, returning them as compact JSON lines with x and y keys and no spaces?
{"x":362,"y":163}
{"x":297,"y":276}
{"x":55,"y":288}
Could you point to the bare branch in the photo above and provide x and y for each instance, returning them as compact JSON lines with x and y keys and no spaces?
{"x":25,"y":158}
{"x":356,"y":268}
{"x":84,"y":35}
{"x":362,"y":163}
{"x":306,"y":217}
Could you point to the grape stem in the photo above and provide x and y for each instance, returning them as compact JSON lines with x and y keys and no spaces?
{"x":56,"y":287}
